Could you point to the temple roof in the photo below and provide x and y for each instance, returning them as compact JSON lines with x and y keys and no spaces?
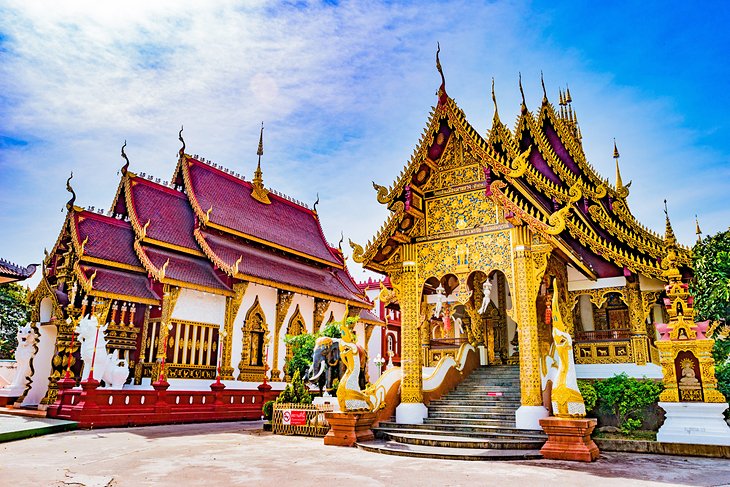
{"x":105,"y":238}
{"x":223,"y":201}
{"x":367,"y":316}
{"x":540,"y":176}
{"x":10,"y":272}
{"x":257,"y":263}
{"x":117,"y":284}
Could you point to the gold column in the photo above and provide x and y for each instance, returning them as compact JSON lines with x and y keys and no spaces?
{"x":283,"y":301}
{"x":529,"y":267}
{"x":169,"y":298}
{"x":639,"y":339}
{"x":232,"y":306}
{"x":409,"y":298}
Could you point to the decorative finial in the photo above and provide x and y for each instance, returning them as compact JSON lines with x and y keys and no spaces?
{"x":615,"y":150}
{"x":70,"y":203}
{"x":181,"y":152}
{"x":124,"y":156}
{"x":544,"y":91}
{"x":698,"y":232}
{"x":668,"y":231}
{"x":568,"y":98}
{"x":260,"y":193}
{"x":314,"y":207}
{"x":522,"y":92}
{"x":494,"y":100}
{"x":561,"y":97}
{"x":442,"y":89}
{"x":342,"y":239}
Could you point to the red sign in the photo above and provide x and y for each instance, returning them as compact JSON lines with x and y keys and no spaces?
{"x":294,"y":417}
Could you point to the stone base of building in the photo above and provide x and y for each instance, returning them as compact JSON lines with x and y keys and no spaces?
{"x":348,"y":428}
{"x":569,"y":439}
{"x":696,"y":423}
{"x":528,"y":417}
{"x":411,"y":413}
{"x":9,"y":395}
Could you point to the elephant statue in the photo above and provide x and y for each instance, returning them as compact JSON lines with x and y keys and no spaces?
{"x":328,"y":366}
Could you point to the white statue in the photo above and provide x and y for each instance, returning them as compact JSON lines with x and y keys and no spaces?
{"x":23,"y":353}
{"x":487,"y":290}
{"x":107,"y":367}
{"x":440,"y":299}
{"x":559,"y":367}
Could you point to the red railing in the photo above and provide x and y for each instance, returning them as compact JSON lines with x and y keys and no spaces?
{"x":103,"y":408}
{"x":603,"y":335}
{"x":441,"y":343}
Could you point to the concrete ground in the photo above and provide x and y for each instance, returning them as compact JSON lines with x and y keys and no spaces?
{"x":241,"y":454}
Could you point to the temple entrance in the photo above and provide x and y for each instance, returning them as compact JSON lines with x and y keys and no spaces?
{"x":492,"y":299}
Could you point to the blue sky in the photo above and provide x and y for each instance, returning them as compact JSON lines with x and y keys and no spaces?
{"x":345,"y":89}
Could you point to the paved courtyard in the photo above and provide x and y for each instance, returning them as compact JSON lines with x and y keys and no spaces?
{"x":240,"y":454}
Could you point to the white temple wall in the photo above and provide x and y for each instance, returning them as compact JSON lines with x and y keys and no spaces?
{"x":200,"y":306}
{"x":42,"y":364}
{"x":579,"y":282}
{"x":374,"y":349}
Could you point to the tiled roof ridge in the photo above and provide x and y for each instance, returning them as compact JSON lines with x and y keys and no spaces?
{"x":106,"y":218}
{"x":18,"y":269}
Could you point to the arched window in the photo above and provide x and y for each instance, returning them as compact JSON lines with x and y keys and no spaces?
{"x":255,"y":339}
{"x":296,"y":327}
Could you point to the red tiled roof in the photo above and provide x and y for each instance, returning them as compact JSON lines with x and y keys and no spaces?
{"x":14,"y":272}
{"x":282,"y":223}
{"x":185,"y":268}
{"x":168,"y":211}
{"x":270,"y":266}
{"x":119,"y":282}
{"x":368,"y":316}
{"x":109,"y":238}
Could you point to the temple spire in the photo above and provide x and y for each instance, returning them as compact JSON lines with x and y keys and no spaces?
{"x":669,"y":237}
{"x":698,"y":232}
{"x":259,"y":192}
{"x":619,"y":182}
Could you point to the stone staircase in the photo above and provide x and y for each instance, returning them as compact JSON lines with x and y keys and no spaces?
{"x":475,"y":421}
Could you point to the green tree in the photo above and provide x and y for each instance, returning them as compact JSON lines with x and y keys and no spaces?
{"x":303,"y":347}
{"x":14,"y":313}
{"x":711,"y":290}
{"x":626,"y":397}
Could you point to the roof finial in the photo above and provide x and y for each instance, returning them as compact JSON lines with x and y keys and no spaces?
{"x":124,"y":155}
{"x":181,"y":152}
{"x":260,"y":193}
{"x":619,"y":182}
{"x":544,"y":91}
{"x":70,"y":203}
{"x":442,"y":89}
{"x":342,"y":239}
{"x":568,"y":98}
{"x":314,"y":207}
{"x":494,"y":100}
{"x":522,"y":92}
{"x":668,"y":232}
{"x":698,"y":232}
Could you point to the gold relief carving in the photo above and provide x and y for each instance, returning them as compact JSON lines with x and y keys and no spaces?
{"x":409,"y":292}
{"x":320,"y":308}
{"x":233,"y":304}
{"x":255,"y":328}
{"x":283,"y":302}
{"x":169,"y":299}
{"x":481,"y":252}
{"x":606,"y":352}
{"x":460,"y":211}
{"x":296,"y":327}
{"x":448,"y":180}
{"x":648,"y":300}
{"x":598,"y":296}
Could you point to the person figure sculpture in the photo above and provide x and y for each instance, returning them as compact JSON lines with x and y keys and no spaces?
{"x":487,"y":290}
{"x":440,"y":299}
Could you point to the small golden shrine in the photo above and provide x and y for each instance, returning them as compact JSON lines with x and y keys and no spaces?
{"x":685,"y":350}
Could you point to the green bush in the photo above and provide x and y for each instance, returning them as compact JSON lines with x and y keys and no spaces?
{"x":589,"y":394}
{"x":626,"y":397}
{"x":268,"y":410}
{"x":302,"y":347}
{"x":296,"y":392}
{"x":14,"y":313}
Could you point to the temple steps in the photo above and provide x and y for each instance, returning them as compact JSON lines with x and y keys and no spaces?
{"x":475,"y":421}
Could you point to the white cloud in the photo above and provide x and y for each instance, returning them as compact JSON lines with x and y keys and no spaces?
{"x":344,"y":93}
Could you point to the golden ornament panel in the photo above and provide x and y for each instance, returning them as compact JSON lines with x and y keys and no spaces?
{"x":459,"y":211}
